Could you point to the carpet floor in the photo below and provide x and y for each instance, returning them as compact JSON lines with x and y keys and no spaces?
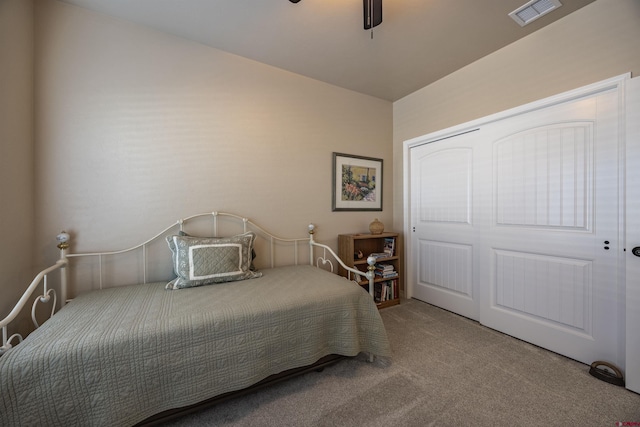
{"x":446,"y":370}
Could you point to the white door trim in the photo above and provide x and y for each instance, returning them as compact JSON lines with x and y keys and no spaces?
{"x":632,"y":288}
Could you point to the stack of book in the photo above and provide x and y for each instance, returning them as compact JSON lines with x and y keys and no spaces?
{"x":387,"y":289}
{"x":379,"y":255}
{"x":386,"y":271}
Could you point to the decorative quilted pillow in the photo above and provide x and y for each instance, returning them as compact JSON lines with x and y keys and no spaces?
{"x":253,"y":251}
{"x":201,"y":261}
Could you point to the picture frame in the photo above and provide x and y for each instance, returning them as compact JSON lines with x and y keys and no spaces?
{"x":357,"y":183}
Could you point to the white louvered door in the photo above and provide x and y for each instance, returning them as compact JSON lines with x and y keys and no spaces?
{"x":516,"y":225}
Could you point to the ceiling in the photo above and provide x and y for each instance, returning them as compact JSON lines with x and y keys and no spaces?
{"x":418,"y":42}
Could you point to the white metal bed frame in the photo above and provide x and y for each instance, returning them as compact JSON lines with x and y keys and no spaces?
{"x":61,"y":264}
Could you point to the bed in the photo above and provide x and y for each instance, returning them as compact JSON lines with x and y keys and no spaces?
{"x":138,"y":353}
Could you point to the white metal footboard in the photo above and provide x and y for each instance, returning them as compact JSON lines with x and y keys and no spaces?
{"x":325,"y":253}
{"x":47,"y":293}
{"x":352,"y":273}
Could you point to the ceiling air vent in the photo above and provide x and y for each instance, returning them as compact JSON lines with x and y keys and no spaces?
{"x":533,"y":10}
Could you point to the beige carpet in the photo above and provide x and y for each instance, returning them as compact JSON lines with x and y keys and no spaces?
{"x":446,"y":371}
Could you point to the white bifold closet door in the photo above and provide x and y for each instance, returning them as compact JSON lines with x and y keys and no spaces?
{"x":515,"y":224}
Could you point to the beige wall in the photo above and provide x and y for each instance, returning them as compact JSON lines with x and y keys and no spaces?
{"x":136,"y":129}
{"x":16,"y":149}
{"x":594,"y":43}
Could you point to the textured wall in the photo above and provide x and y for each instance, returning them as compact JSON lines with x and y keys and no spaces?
{"x":137,"y":128}
{"x":594,"y":43}
{"x":16,"y":149}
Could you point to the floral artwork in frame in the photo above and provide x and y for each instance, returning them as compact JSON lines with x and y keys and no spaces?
{"x":357,"y":183}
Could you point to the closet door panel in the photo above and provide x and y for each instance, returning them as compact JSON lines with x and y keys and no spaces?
{"x":516,"y":223}
{"x":550,"y":255}
{"x":444,"y":175}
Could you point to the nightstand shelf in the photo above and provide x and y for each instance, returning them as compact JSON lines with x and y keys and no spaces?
{"x":354,"y":249}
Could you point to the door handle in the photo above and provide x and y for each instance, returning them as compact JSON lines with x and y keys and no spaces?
{"x":636,"y":251}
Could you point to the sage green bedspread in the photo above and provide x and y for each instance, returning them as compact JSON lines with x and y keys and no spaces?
{"x":117,"y":356}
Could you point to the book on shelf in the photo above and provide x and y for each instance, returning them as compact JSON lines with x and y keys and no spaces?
{"x":377,"y":292}
{"x":386,"y":291}
{"x":380,"y":292}
{"x":384,"y":267}
{"x":385,"y":270}
{"x":389,"y":246}
{"x":388,"y":275}
{"x":379,"y":255}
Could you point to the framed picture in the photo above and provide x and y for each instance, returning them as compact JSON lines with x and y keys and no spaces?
{"x":357,"y":183}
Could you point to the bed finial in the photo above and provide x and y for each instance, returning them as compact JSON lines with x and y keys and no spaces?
{"x":63,"y":240}
{"x":371,"y":268}
{"x":312,"y":229}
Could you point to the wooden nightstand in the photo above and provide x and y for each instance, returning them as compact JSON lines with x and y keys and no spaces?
{"x":354,"y":249}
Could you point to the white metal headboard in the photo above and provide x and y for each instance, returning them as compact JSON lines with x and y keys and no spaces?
{"x":325,"y":258}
